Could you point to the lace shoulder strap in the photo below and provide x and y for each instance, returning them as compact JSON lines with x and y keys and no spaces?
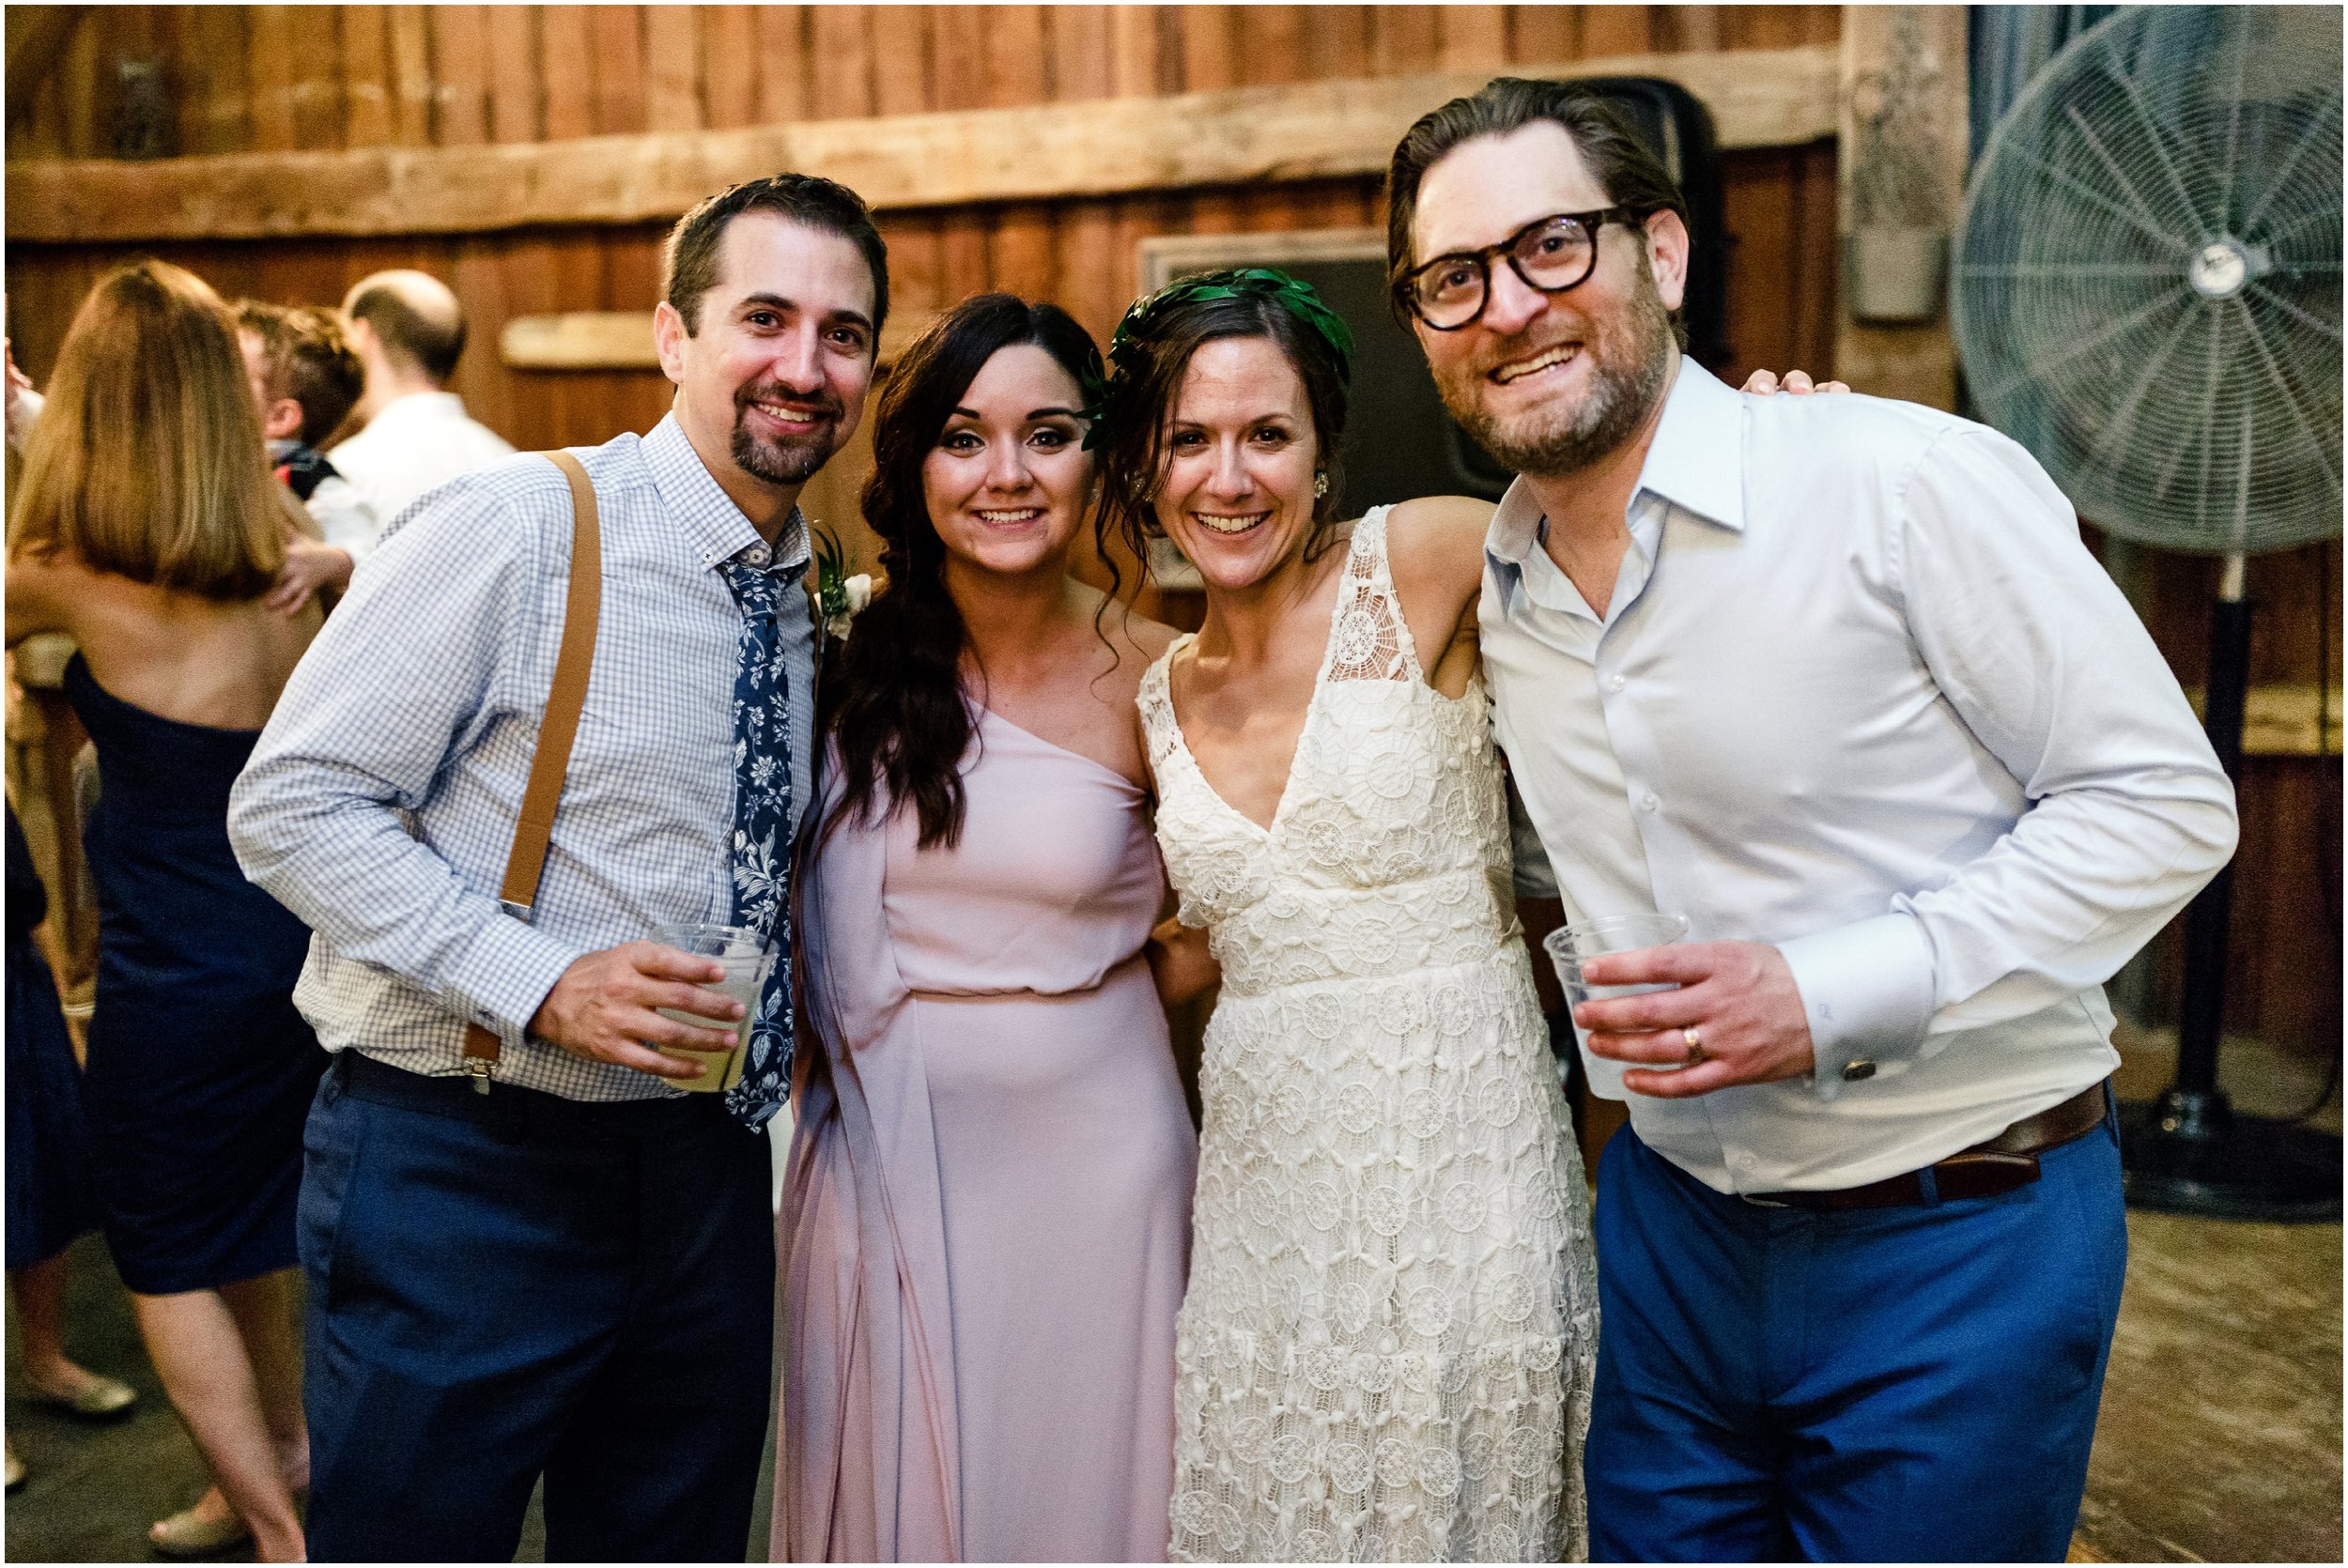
{"x":1156,"y":703}
{"x":1367,"y":639}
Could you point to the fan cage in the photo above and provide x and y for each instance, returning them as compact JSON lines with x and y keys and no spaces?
{"x":2147,"y":280}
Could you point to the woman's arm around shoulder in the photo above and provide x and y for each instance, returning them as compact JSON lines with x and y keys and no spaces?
{"x":1181,"y":962}
{"x":40,"y":591}
{"x":1435,"y":552}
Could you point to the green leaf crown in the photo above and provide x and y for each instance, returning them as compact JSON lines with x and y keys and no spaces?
{"x":1129,"y":361}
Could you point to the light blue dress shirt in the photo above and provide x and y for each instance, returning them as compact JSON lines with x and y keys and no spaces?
{"x":1861,"y":693}
{"x":379,"y":803}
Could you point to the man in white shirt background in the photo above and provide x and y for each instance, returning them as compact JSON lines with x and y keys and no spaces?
{"x":306,"y":380}
{"x":1835,"y":679}
{"x":410,"y":331}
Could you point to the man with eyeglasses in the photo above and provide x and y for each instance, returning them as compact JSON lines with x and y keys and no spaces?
{"x":1835,"y":679}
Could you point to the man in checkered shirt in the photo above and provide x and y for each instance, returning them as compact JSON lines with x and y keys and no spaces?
{"x":572,"y":1275}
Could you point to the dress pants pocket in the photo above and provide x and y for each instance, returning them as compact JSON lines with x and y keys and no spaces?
{"x":333,"y":1140}
{"x":2095,"y":1260}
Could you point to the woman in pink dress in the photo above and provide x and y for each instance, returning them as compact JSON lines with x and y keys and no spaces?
{"x":985,"y":1227}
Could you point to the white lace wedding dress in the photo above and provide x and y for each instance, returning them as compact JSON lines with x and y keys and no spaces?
{"x":1387,"y":1346}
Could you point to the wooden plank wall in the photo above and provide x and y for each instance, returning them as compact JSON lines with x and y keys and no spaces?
{"x":262,"y":78}
{"x":273,"y":78}
{"x":270,"y":78}
{"x":2284,"y":950}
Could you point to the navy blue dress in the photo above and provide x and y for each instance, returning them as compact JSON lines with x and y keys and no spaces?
{"x":200,"y":1071}
{"x":49,"y":1201}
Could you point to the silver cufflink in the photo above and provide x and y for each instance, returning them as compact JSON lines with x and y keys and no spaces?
{"x":1858,"y":1071}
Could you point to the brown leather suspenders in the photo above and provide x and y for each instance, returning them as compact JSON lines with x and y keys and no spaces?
{"x":565,"y":699}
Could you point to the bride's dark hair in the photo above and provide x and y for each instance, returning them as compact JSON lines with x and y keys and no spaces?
{"x":891,"y":697}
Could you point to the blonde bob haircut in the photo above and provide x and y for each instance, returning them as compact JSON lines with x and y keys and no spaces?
{"x":147,"y":461}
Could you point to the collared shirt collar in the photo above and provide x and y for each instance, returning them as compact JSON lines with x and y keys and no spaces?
{"x":718,"y":528}
{"x":1696,"y":461}
{"x":418,"y":406}
{"x":1697,"y":458}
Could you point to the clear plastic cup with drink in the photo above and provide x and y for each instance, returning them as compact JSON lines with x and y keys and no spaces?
{"x":1578,"y":939}
{"x":748,"y":959}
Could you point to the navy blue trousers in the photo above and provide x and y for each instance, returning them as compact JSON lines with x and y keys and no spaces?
{"x":1883,"y":1385}
{"x":584,"y":1293}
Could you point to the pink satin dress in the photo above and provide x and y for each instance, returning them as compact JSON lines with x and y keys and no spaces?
{"x":985,"y":1225}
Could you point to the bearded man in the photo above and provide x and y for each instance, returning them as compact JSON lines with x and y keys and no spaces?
{"x":1833,"y":678}
{"x":564,"y":1267}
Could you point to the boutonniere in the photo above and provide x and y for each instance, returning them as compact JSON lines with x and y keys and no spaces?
{"x":838,"y":595}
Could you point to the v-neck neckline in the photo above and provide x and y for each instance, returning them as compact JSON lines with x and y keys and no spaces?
{"x":1266,"y":831}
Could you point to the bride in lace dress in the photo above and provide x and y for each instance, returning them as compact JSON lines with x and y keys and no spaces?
{"x":1385,"y":1350}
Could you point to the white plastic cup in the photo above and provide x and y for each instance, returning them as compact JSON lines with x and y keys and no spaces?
{"x":1570,"y":944}
{"x":748,"y":959}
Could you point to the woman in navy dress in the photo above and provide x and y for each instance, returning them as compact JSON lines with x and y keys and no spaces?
{"x":49,"y":1199}
{"x":147,"y":528}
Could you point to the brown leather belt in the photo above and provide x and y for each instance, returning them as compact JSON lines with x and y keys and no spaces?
{"x":2000,"y":1165}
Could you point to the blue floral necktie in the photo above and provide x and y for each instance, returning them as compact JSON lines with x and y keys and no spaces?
{"x":760,"y":857}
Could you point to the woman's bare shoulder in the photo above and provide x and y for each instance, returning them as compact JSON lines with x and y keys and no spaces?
{"x":1150,"y":637}
{"x":1438,"y":540}
{"x":1442,"y":511}
{"x":1136,"y":640}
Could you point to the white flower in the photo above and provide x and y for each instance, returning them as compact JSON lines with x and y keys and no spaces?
{"x":858,"y":590}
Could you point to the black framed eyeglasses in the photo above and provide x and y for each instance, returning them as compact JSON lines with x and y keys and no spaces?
{"x":1550,"y":255}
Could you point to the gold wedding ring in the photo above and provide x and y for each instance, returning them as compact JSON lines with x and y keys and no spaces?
{"x":1694,"y":1037}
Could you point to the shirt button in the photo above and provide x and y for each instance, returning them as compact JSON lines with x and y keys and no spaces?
{"x":1616,"y":684}
{"x":1648,"y":802}
{"x":755,"y":555}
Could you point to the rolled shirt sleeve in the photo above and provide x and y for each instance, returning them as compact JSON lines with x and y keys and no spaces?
{"x":409,"y":672}
{"x":344,"y":518}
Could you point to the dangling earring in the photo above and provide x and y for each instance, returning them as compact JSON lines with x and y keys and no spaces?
{"x":1320,"y":485}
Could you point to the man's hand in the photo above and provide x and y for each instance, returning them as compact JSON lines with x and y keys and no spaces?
{"x":23,"y":402}
{"x":309,"y":566}
{"x":602,"y":1008}
{"x":1181,"y":962}
{"x":1739,"y":997}
{"x":1763,"y":382}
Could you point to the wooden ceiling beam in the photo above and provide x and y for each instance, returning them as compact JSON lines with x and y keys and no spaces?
{"x":1103,"y":146}
{"x":622,"y":340}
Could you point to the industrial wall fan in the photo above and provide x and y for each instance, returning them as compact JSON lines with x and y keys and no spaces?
{"x":2148,"y":296}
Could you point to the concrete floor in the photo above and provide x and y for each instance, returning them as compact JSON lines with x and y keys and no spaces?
{"x":2219,"y":1439}
{"x":2219,"y":1436}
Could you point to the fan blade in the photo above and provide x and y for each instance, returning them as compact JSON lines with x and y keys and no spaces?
{"x":2116,"y":429}
{"x":2154,"y":139}
{"x":2289,"y":397}
{"x":2144,"y":227}
{"x":2040,"y":369}
{"x":2330,"y":329}
{"x":2280,"y":179}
